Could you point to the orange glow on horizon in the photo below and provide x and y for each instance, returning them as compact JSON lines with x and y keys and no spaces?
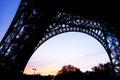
{"x":42,"y":70}
{"x":52,"y":70}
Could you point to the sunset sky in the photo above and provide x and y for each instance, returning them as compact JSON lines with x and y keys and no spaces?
{"x":75,"y":48}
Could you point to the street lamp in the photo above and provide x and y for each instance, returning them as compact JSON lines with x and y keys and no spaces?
{"x":34,"y":70}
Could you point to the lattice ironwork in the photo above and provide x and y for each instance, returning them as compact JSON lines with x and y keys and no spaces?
{"x":32,"y":26}
{"x":64,"y":22}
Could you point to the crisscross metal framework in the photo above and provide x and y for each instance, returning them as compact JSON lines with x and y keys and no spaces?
{"x":64,"y":22}
{"x":32,"y":26}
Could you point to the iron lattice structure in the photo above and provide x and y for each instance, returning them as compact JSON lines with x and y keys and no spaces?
{"x":32,"y":26}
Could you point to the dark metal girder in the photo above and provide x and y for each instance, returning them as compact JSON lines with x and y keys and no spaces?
{"x":33,"y":18}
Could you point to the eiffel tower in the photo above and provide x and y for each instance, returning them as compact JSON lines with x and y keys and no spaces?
{"x":34,"y":23}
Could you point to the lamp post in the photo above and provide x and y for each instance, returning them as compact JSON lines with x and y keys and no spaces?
{"x":34,"y":70}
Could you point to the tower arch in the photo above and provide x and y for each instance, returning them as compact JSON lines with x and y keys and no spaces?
{"x":33,"y":18}
{"x":67,"y":48}
{"x":64,"y":22}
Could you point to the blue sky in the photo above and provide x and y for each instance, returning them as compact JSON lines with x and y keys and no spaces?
{"x":78,"y":49}
{"x":7,"y":11}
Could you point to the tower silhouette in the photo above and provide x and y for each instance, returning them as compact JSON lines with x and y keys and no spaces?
{"x":37,"y":21}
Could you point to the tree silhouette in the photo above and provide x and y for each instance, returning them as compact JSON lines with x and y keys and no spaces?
{"x":69,"y":72}
{"x":100,"y":72}
{"x":67,"y":69}
{"x":103,"y":68}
